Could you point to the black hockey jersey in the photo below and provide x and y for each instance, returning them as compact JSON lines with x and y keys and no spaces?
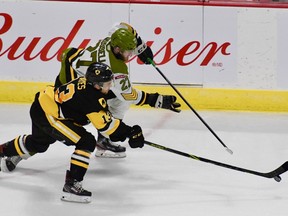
{"x":81,"y":103}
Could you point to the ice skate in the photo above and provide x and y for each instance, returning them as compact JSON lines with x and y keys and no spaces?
{"x":107,"y":149}
{"x":8,"y":164}
{"x":74,"y":192}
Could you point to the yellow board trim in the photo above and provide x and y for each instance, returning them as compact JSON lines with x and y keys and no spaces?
{"x":227,"y":99}
{"x":198,"y":98}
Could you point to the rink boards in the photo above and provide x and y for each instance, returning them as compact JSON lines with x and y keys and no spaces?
{"x":198,"y":98}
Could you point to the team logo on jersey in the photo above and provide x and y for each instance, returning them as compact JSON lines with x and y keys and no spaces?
{"x":97,"y":72}
{"x":102,"y":102}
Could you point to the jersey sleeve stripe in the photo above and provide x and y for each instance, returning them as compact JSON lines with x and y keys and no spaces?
{"x":143,"y":99}
{"x":113,"y":125}
{"x":62,"y":128}
{"x":130,"y":96}
{"x":71,"y":59}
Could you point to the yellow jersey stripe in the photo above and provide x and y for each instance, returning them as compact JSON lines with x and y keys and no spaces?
{"x":144,"y":95}
{"x":16,"y":145}
{"x":130,"y":96}
{"x":84,"y":153}
{"x":58,"y":125}
{"x":112,"y":127}
{"x":70,"y":60}
{"x":78,"y":163}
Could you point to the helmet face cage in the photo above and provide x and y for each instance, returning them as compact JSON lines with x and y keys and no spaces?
{"x":98,"y":73}
{"x":123,"y":39}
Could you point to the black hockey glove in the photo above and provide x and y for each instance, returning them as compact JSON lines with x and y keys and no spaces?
{"x":147,"y":53}
{"x":167,"y":102}
{"x":136,"y":138}
{"x":143,"y":51}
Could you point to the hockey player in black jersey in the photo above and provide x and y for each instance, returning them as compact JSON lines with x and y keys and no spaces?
{"x":60,"y":114}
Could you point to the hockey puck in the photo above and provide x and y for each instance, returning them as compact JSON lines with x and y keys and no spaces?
{"x":277,"y":178}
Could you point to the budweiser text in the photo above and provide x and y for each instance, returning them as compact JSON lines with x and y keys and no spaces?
{"x":186,"y":55}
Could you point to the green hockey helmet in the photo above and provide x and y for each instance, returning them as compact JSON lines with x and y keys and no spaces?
{"x":124,"y":39}
{"x":98,"y":73}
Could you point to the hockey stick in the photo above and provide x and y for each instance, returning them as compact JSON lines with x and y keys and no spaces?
{"x":180,"y":95}
{"x":273,"y":174}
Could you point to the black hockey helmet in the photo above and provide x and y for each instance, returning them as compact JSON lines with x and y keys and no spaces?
{"x":98,"y":73}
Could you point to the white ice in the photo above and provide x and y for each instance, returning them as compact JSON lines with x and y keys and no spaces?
{"x":152,"y":182}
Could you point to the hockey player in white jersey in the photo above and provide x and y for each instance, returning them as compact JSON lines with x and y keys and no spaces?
{"x":115,"y":50}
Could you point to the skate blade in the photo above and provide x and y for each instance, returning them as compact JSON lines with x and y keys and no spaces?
{"x":68,"y":197}
{"x":109,"y":154}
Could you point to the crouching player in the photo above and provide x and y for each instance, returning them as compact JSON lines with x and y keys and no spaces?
{"x":60,"y":114}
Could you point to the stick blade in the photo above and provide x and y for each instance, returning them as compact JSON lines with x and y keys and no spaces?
{"x":276,"y":173}
{"x":229,"y":151}
{"x":277,"y":178}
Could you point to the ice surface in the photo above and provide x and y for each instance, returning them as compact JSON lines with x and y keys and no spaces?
{"x":154,"y":182}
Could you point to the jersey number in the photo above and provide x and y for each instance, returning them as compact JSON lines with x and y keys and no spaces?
{"x":125,"y":84}
{"x":93,"y":55}
{"x":67,"y":93}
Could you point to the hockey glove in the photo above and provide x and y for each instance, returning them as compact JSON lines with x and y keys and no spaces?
{"x":136,"y":138}
{"x":167,"y":102}
{"x":143,"y":51}
{"x":147,"y":53}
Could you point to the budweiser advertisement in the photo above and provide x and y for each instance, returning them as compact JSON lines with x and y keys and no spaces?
{"x":189,"y":46}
